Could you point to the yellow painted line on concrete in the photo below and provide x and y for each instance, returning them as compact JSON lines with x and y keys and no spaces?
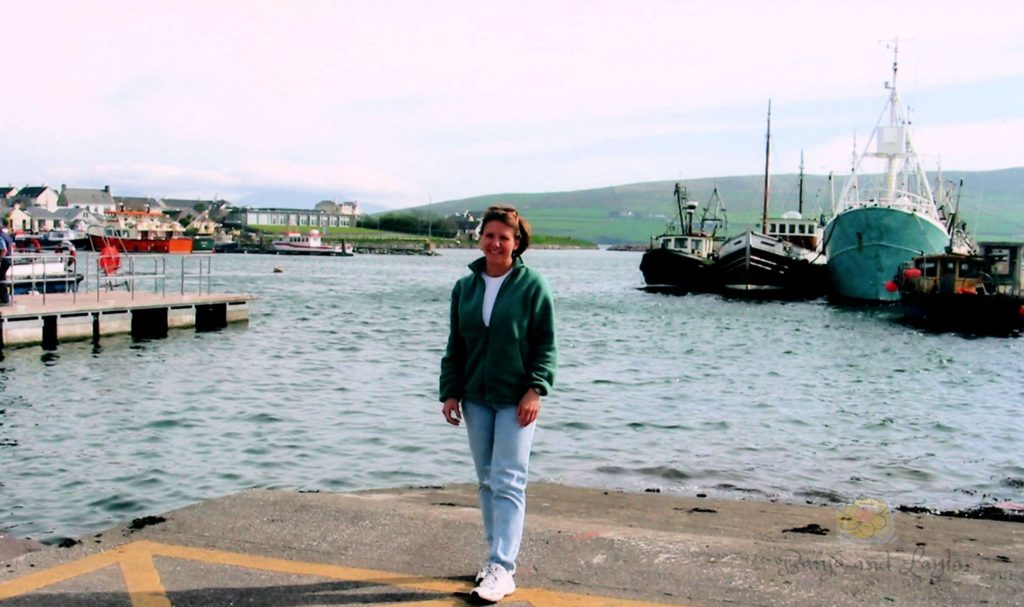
{"x":350,"y":574}
{"x":539,"y":597}
{"x":142,"y":580}
{"x":60,"y":573}
{"x":146,"y":590}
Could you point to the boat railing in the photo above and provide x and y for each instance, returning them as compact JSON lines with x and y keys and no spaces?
{"x":904,"y":200}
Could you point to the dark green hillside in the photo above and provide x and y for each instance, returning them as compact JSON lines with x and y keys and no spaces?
{"x":992,"y":203}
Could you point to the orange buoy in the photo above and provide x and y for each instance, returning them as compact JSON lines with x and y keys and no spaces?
{"x":891,"y":286}
{"x":912,"y":273}
{"x":110,"y":260}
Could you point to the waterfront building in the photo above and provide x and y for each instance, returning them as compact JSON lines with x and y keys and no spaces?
{"x":181,"y":207}
{"x":37,"y":219}
{"x":94,"y":201}
{"x":43,"y":220}
{"x":467,"y":225}
{"x":144,"y":204}
{"x":17,"y":220}
{"x":35,"y":196}
{"x":326,"y":214}
{"x":203,"y":225}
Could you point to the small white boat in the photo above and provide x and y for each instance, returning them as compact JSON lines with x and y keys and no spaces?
{"x":55,"y":238}
{"x":44,"y":272}
{"x":310,"y":243}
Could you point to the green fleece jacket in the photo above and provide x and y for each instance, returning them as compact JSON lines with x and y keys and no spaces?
{"x":499,"y":363}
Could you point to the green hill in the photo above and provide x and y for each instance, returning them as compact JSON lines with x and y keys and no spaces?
{"x":992,"y":202}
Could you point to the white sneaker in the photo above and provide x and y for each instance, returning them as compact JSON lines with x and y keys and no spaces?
{"x":480,"y":575}
{"x":496,"y":584}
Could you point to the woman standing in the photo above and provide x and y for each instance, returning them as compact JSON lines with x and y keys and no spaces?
{"x":499,"y":362}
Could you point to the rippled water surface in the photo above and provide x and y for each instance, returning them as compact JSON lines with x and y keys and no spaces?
{"x":332,"y":386}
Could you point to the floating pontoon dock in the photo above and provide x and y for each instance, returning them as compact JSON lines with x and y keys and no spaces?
{"x":109,"y":304}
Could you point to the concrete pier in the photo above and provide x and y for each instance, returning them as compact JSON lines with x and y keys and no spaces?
{"x":582,"y":547}
{"x":33,"y":319}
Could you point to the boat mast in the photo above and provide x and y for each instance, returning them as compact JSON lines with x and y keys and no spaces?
{"x":952,"y":226}
{"x":767,"y":157}
{"x":680,"y":193}
{"x":890,"y":172}
{"x":800,"y":207}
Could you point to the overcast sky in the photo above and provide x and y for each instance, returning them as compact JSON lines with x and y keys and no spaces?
{"x":394,"y":103}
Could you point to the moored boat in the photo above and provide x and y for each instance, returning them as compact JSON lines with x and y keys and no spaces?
{"x":681,"y":261}
{"x":54,"y":239}
{"x":786,"y":262}
{"x":50,"y":272}
{"x":782,"y":261}
{"x":310,"y":243}
{"x":139,"y":232}
{"x":877,"y":228}
{"x":224,"y":243}
{"x":966,"y":293}
{"x":203,"y":244}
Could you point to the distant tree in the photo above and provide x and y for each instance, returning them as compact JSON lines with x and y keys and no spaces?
{"x":404,"y":223}
{"x":199,"y":207}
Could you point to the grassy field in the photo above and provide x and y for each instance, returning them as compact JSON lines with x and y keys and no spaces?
{"x":992,"y":203}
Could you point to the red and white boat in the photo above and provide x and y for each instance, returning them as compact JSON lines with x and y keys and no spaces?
{"x":294,"y":243}
{"x":139,"y":232}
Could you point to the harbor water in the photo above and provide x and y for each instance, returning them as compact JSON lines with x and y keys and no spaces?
{"x":332,"y":386}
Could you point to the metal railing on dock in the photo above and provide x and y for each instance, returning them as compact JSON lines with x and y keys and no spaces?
{"x":195,"y":270}
{"x":51,"y":272}
{"x":145,"y":295}
{"x":45,"y":274}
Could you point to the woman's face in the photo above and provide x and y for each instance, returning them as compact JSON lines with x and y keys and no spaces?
{"x":498,"y":241}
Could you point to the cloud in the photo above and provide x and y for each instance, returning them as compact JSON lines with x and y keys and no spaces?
{"x":401,"y":100}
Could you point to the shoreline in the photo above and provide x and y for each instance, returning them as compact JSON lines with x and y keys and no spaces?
{"x":584,"y":547}
{"x":1003,"y":512}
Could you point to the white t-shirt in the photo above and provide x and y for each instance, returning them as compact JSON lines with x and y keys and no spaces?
{"x":491,"y":286}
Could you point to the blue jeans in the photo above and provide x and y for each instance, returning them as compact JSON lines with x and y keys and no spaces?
{"x":5,"y":265}
{"x":501,"y":453}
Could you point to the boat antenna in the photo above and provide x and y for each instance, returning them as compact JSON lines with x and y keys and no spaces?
{"x":680,"y":193}
{"x":800,"y":198}
{"x":832,"y":192}
{"x":767,"y":157}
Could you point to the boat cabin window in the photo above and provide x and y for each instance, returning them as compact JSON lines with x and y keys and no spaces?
{"x":773,"y":229}
{"x":969,"y":270}
{"x":792,"y":229}
{"x":681,"y":243}
{"x":948,"y":266}
{"x":929,"y":269}
{"x":1000,"y":261}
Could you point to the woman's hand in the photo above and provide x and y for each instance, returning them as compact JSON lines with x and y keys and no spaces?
{"x":529,"y":407}
{"x":451,"y":411}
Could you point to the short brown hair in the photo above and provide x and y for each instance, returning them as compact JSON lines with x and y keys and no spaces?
{"x":510,"y":217}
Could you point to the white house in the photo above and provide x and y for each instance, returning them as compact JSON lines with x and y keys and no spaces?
{"x":95,"y":201}
{"x":35,"y":196}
